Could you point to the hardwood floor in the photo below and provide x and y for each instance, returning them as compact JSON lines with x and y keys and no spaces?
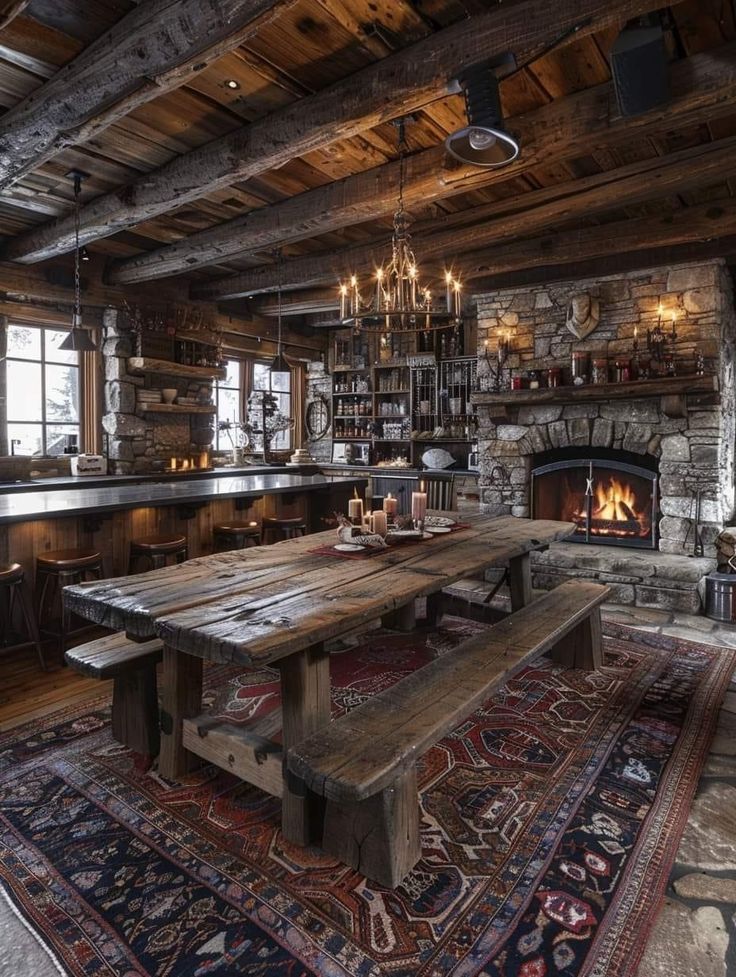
{"x":27,"y":693}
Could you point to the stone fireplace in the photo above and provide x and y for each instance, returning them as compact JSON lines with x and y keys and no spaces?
{"x":662,"y":459}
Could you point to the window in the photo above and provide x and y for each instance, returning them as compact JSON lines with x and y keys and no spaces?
{"x":42,"y":391}
{"x":279,"y":384}
{"x":227,"y":401}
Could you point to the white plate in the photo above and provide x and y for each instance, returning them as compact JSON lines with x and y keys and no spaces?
{"x":436,"y":530}
{"x":431,"y":521}
{"x":348,"y":547}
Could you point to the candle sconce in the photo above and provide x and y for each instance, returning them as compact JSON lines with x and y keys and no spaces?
{"x":661,"y":345}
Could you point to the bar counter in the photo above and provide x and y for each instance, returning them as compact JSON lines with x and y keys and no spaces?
{"x":107,"y":518}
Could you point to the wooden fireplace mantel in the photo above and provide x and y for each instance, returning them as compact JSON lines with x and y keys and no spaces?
{"x":672,"y":390}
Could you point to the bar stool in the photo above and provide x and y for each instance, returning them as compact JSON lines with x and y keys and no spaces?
{"x":157,"y":549}
{"x":288,"y":528}
{"x":56,"y":569}
{"x":12,"y":583}
{"x":235,"y":536}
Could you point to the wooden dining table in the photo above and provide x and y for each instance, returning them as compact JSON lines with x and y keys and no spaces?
{"x":277,"y":605}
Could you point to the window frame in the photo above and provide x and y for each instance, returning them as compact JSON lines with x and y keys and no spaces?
{"x":43,"y":361}
{"x":219,"y":384}
{"x":290,"y":434}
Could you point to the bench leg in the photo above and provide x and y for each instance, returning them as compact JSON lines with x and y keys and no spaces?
{"x":402,"y":618}
{"x":305,"y":703}
{"x":520,"y":581}
{"x":182,"y":699}
{"x":583,"y":646}
{"x":378,"y":837}
{"x":434,"y":608}
{"x":135,"y":710}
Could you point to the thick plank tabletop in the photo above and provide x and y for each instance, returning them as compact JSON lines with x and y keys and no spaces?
{"x":22,"y":506}
{"x":264,"y":603}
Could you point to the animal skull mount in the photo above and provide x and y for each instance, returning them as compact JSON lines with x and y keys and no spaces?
{"x":583,"y":315}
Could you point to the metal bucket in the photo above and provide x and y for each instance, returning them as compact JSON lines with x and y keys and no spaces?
{"x":720,"y":596}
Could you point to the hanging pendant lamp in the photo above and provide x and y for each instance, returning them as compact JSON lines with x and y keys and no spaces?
{"x":280,"y":363}
{"x":78,"y":339}
{"x":485,"y":141}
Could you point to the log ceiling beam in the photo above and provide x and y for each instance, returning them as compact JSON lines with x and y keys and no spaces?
{"x":703,"y":88}
{"x":399,"y":84}
{"x":502,"y":220}
{"x":156,"y":47}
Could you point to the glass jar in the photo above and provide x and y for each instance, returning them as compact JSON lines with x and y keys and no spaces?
{"x":533,"y":379}
{"x":599,"y":373}
{"x":554,"y":376}
{"x":623,"y":370}
{"x":516,"y":381}
{"x":579,"y":366}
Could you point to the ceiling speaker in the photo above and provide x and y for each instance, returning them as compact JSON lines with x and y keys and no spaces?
{"x":484,"y":141}
{"x":639,"y":68}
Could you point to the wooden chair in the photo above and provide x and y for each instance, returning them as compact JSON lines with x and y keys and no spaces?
{"x":440,"y":492}
{"x":364,"y":763}
{"x":132,"y":667}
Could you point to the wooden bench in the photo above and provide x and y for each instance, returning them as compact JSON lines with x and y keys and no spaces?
{"x":132,"y":667}
{"x":364,"y":763}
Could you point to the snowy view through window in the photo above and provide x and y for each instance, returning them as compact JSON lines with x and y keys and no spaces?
{"x":42,"y":392}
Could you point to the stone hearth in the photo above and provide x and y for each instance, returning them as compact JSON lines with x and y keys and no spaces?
{"x":692,"y":441}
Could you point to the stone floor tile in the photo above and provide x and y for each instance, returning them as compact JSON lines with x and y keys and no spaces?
{"x":724,"y":742}
{"x":706,"y":888}
{"x":709,"y":841}
{"x":686,"y":943}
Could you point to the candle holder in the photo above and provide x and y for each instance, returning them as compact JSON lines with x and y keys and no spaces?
{"x":661,"y":345}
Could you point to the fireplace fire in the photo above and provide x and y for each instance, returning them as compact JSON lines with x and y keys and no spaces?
{"x":610,"y":501}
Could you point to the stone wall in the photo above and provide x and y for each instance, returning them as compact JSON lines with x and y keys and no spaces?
{"x":693,"y":452}
{"x":320,"y":383}
{"x":141,"y":442}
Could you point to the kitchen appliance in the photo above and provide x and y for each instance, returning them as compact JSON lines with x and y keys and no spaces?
{"x":88,"y":465}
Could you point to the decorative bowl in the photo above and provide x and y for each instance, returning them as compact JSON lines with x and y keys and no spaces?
{"x":169,"y":394}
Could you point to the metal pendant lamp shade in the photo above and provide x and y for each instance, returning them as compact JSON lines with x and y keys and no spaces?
{"x":78,"y":339}
{"x":484,"y":141}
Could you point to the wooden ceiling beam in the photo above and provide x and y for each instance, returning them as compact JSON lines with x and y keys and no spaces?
{"x":702,"y":86}
{"x":503,"y":220}
{"x":156,"y":47}
{"x":399,"y":84}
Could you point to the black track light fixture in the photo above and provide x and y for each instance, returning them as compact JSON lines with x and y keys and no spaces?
{"x":485,"y":141}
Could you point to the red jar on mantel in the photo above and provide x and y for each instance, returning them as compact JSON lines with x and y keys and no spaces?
{"x":516,"y":382}
{"x":623,"y":371}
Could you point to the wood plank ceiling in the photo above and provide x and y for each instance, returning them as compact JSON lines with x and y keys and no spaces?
{"x":581,"y":166}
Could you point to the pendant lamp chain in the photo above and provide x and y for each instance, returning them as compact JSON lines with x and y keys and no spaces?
{"x":77,"y":320}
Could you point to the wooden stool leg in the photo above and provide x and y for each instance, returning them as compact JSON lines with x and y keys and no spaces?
{"x":182,"y":699}
{"x":31,"y":622}
{"x":181,"y":556}
{"x":65,"y":577}
{"x":305,"y":702}
{"x":583,"y":646}
{"x":520,"y":581}
{"x":135,"y":711}
{"x":158,"y":560}
{"x":378,"y":837}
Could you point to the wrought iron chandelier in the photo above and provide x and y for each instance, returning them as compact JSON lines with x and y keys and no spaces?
{"x":399,"y":302}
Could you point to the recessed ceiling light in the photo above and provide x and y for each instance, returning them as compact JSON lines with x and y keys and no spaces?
{"x":231,"y":83}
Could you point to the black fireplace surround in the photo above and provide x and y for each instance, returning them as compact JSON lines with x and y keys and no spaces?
{"x":611,"y":496}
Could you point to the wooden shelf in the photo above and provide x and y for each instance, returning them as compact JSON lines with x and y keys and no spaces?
{"x":146,"y":364}
{"x":176,"y":409}
{"x":633,"y":390}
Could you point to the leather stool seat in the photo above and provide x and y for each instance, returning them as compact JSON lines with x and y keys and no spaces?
{"x":156,"y":548}
{"x":288,"y":527}
{"x":12,"y":585}
{"x":76,"y":559}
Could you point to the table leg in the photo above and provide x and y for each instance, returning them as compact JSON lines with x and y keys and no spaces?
{"x":520,"y":581}
{"x":182,"y":699}
{"x":305,"y":703}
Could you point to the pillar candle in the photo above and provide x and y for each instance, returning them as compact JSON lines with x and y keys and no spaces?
{"x":379,"y":522}
{"x":173,"y":464}
{"x":355,"y":511}
{"x":419,"y":505}
{"x":390,"y":506}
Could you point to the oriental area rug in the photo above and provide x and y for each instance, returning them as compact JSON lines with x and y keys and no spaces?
{"x":550,"y":819}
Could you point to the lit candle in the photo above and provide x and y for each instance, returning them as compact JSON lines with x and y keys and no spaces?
{"x":419,"y":504}
{"x":456,"y":286}
{"x":448,"y":285}
{"x":379,"y":522}
{"x":390,"y":506}
{"x":343,"y":300}
{"x":173,"y":464}
{"x":204,"y":459}
{"x":413,"y":287}
{"x":355,"y":509}
{"x":355,"y":298}
{"x":379,"y":288}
